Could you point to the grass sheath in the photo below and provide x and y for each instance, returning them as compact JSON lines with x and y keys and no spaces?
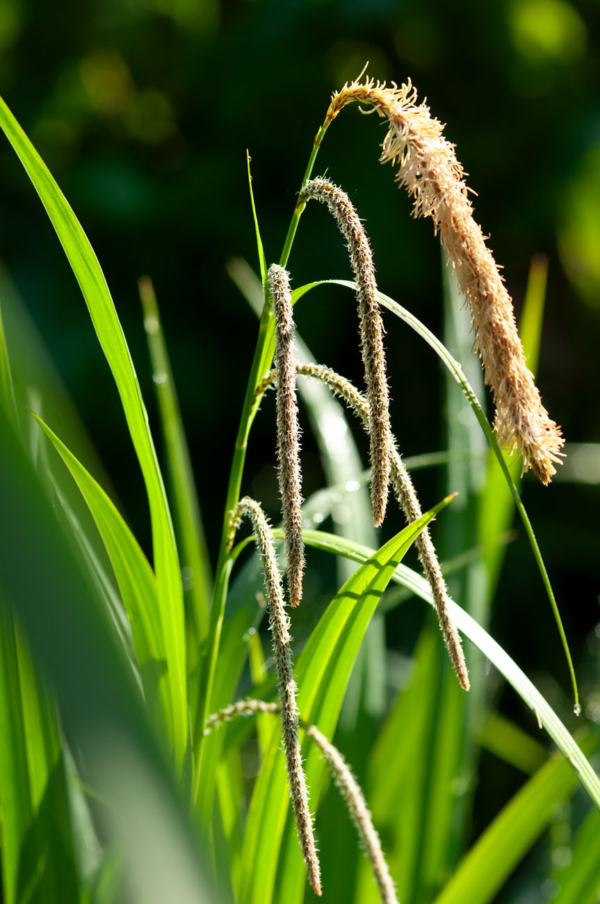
{"x":371,"y":334}
{"x":432,"y":175}
{"x":288,"y":430}
{"x":408,"y":501}
{"x":282,"y":651}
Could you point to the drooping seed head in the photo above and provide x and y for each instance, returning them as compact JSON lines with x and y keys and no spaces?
{"x":429,"y":170}
{"x":288,"y":430}
{"x":371,"y":333}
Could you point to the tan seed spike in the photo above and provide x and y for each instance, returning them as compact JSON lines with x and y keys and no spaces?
{"x":371,"y":333}
{"x":282,"y":652}
{"x":432,"y":175}
{"x":288,"y":430}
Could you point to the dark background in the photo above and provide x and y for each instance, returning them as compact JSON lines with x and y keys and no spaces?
{"x":144,"y":109}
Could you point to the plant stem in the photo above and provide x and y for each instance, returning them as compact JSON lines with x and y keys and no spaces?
{"x":263,"y":357}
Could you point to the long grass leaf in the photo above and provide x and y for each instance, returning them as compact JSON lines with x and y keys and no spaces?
{"x":134,"y":575}
{"x":504,"y":843}
{"x":543,"y":712}
{"x":186,"y":506}
{"x":110,"y":334}
{"x":101,"y":709}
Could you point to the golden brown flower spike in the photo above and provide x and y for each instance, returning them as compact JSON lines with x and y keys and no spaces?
{"x":371,"y":334}
{"x":432,"y":175}
{"x":288,"y":430}
{"x":282,"y":652}
{"x":409,"y":503}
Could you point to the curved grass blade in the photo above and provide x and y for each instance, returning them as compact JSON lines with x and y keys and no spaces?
{"x":580,"y":882}
{"x":510,"y":836}
{"x":488,"y":646}
{"x":457,"y":372}
{"x":322,"y":675}
{"x":188,"y":519}
{"x":101,"y":709}
{"x":133,"y":573}
{"x":110,"y":334}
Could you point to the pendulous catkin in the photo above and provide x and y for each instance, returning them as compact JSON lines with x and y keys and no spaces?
{"x":288,"y":430}
{"x":343,"y":778}
{"x":371,"y":334}
{"x":432,"y":175}
{"x":359,"y":813}
{"x":408,"y":501}
{"x":282,"y":652}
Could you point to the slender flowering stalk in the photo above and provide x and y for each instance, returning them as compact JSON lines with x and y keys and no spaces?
{"x":343,"y":778}
{"x":371,"y":334}
{"x":409,"y":503}
{"x":280,"y":634}
{"x":432,"y":175}
{"x":359,"y":813}
{"x":288,"y":430}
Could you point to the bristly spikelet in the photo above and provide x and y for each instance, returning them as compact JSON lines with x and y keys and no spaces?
{"x":282,"y":653}
{"x":359,"y":813}
{"x":288,"y":430}
{"x":409,"y":503}
{"x":432,"y":175}
{"x":371,"y":334}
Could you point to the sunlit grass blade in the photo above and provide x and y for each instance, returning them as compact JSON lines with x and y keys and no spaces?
{"x":101,"y":708}
{"x":580,"y":882}
{"x":505,"y":842}
{"x":543,"y":712}
{"x":38,"y":861}
{"x":193,"y":551}
{"x":134,"y":575}
{"x":322,"y":674}
{"x":456,"y":370}
{"x":506,"y":740}
{"x":259,"y":245}
{"x":110,"y":334}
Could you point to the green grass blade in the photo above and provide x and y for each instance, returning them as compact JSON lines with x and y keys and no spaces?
{"x":186,"y":506}
{"x":101,"y":708}
{"x":580,"y":882}
{"x":457,"y":372}
{"x":38,"y":861}
{"x":110,"y":334}
{"x":506,"y":740}
{"x":7,"y":389}
{"x":488,"y":646}
{"x":322,"y":674}
{"x":504,"y":843}
{"x":133,"y":573}
{"x":259,"y":245}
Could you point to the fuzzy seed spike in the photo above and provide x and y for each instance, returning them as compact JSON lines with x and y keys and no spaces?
{"x":288,"y":430}
{"x":409,"y":503}
{"x":279,"y":623}
{"x":429,"y":170}
{"x":371,"y":333}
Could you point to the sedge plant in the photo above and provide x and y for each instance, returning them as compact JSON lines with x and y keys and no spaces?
{"x":122,"y":725}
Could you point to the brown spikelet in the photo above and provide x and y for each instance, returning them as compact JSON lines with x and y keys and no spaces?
{"x":359,"y":813}
{"x":282,"y":652}
{"x":288,"y":430}
{"x":408,"y":501}
{"x":371,"y":334}
{"x":432,"y":175}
